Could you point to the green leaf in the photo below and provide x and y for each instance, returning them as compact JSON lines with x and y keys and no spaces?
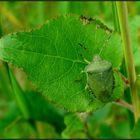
{"x":118,"y":87}
{"x":9,"y":117}
{"x":138,"y":80}
{"x":135,"y":36}
{"x":138,"y":83}
{"x":97,"y":119}
{"x":5,"y":83}
{"x":120,"y":123}
{"x":136,"y":131}
{"x":74,"y":127}
{"x":100,"y":115}
{"x":53,"y":58}
{"x":46,"y":112}
{"x":121,"y":129}
{"x":44,"y":133}
{"x":106,"y":131}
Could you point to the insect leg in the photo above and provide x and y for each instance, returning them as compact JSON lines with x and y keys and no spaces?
{"x":88,"y":62}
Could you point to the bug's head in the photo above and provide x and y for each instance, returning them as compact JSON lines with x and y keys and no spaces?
{"x":97,"y":59}
{"x":98,"y":65}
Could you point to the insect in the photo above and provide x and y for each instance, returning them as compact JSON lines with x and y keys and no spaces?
{"x":100,"y":79}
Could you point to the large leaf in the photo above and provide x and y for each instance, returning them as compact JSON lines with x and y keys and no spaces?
{"x":53,"y":58}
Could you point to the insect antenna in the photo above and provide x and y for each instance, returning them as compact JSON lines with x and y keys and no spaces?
{"x":104,"y":45}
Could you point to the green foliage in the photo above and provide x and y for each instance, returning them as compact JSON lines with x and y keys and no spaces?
{"x":136,"y":132}
{"x":118,"y":87}
{"x":53,"y":56}
{"x":105,"y":123}
{"x":135,"y":35}
{"x":9,"y":117}
{"x":5,"y":86}
{"x":44,"y":111}
{"x":96,"y":119}
{"x":19,"y":96}
{"x":52,"y":48}
{"x":74,"y":127}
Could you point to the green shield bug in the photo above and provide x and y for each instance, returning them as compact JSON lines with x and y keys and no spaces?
{"x":100,"y":79}
{"x":99,"y":72}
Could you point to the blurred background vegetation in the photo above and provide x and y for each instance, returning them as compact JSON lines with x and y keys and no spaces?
{"x":47,"y":120}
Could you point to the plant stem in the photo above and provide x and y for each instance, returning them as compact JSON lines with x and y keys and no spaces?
{"x":125,"y":104}
{"x":128,"y":54}
{"x":127,"y":94}
{"x":4,"y":82}
{"x":115,"y":17}
{"x":18,"y":93}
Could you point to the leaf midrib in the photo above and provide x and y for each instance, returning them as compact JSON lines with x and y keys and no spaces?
{"x":59,"y":57}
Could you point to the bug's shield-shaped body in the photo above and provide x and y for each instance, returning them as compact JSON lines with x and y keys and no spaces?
{"x":100,"y":78}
